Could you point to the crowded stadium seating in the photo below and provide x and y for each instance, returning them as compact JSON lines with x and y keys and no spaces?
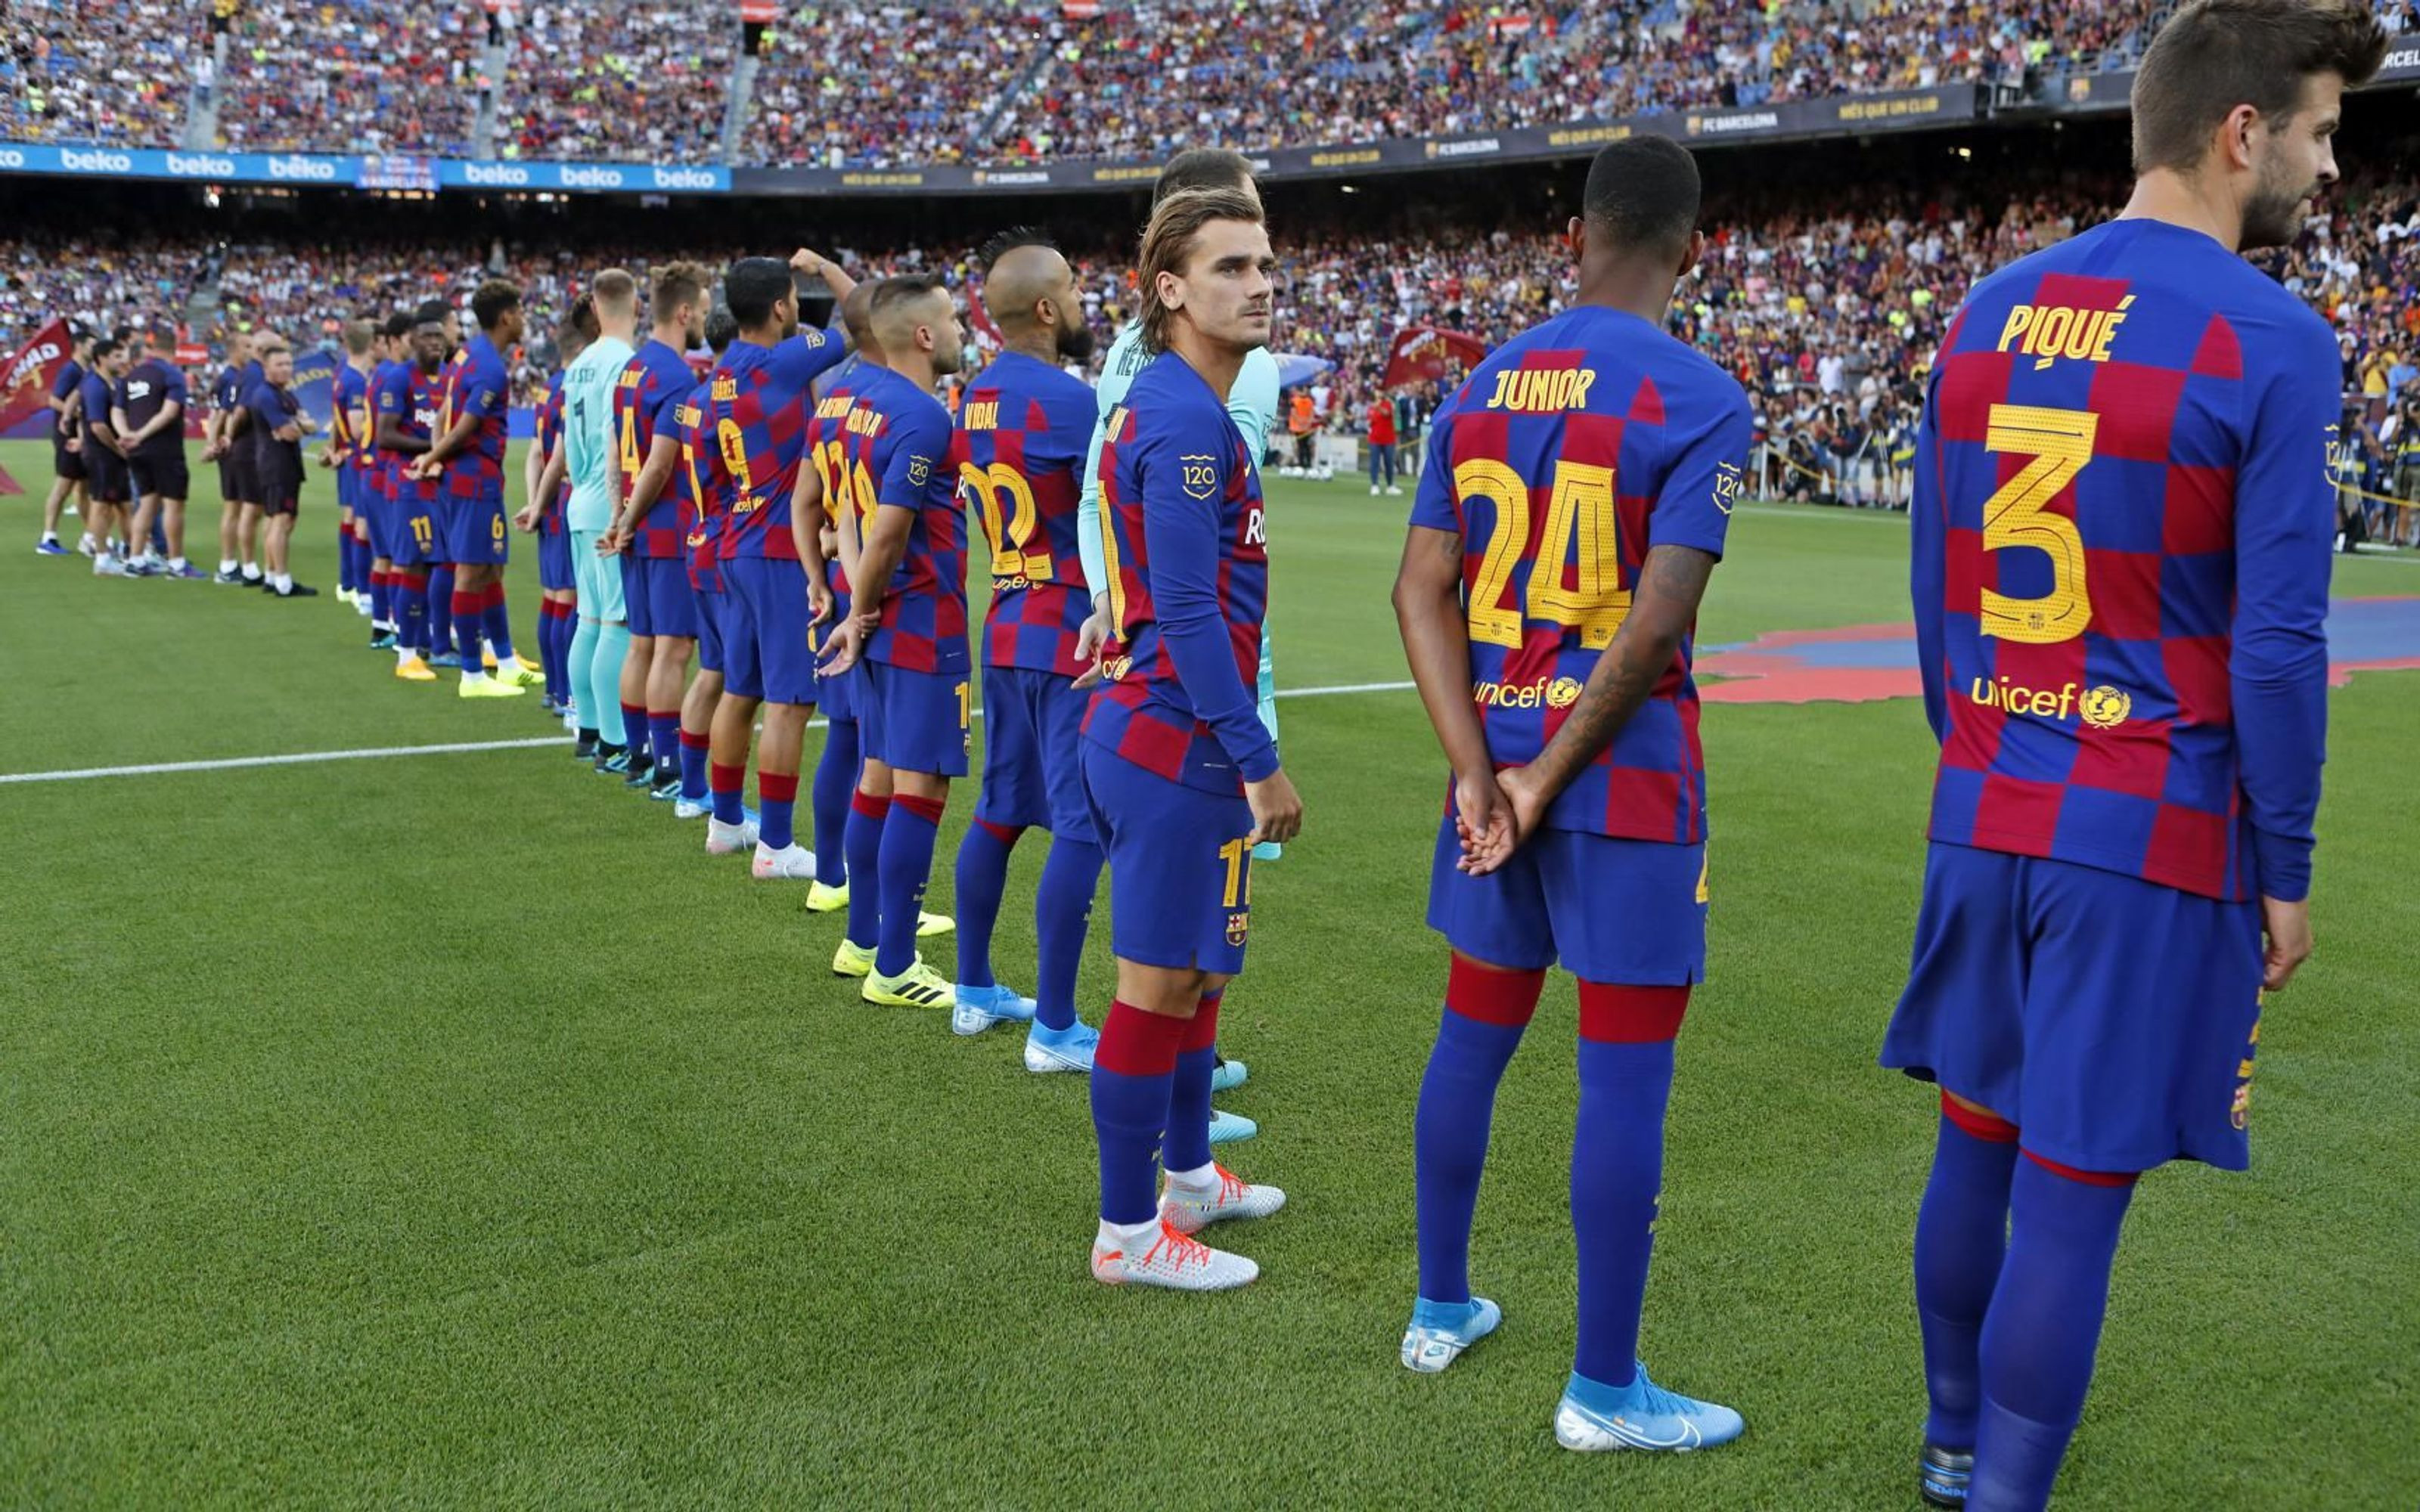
{"x":613,"y":79}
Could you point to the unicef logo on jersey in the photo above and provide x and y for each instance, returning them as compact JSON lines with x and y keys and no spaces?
{"x":1200,"y":475}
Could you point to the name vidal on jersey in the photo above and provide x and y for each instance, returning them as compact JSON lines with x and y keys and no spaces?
{"x":2046,"y":332}
{"x":1527,"y":391}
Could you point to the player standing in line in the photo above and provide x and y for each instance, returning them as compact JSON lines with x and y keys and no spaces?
{"x":907,"y":623}
{"x":468,"y":454}
{"x":772,"y":556}
{"x":1578,"y":493}
{"x":645,"y":533}
{"x":839,"y":815}
{"x":603,"y":641}
{"x":407,"y":402}
{"x":149,"y":420}
{"x":239,"y":517}
{"x":1181,"y":775}
{"x":67,"y":459}
{"x":108,"y":487}
{"x":2132,"y":711}
{"x":547,"y":493}
{"x":704,"y":505}
{"x":347,"y":394}
{"x":1253,"y":402}
{"x":278,"y":426}
{"x":379,"y":483}
{"x":1024,"y":429}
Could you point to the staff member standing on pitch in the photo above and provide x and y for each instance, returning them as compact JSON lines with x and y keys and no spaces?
{"x":277,"y":426}
{"x":108,"y":486}
{"x":1182,"y":775}
{"x":149,"y":420}
{"x":67,"y":459}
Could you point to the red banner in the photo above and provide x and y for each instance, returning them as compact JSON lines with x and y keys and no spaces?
{"x":1426,"y":354}
{"x":27,"y":382}
{"x":760,"y":10}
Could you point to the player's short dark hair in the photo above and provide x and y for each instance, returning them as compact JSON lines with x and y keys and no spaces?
{"x":1644,"y":193}
{"x":1203,"y":168}
{"x":722,"y":328}
{"x":1176,"y":222}
{"x":430,"y":312}
{"x":398,"y":325}
{"x":677,"y":283}
{"x":893,"y":292}
{"x":2215,"y":55}
{"x":103,"y":347}
{"x":494,"y":299}
{"x":752,"y":287}
{"x":1009,"y":241}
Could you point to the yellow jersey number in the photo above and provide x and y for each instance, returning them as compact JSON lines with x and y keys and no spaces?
{"x":2059,"y":441}
{"x":735,"y":461}
{"x":1010,"y":519}
{"x":1580,"y":515}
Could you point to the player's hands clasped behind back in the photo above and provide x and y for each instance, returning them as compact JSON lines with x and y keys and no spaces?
{"x":1495,"y":817}
{"x":1277,"y":810}
{"x":2286,"y":929}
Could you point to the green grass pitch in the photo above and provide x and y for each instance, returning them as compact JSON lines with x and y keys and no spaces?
{"x":448,"y":1130}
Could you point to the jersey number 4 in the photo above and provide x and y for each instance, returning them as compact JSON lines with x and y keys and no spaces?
{"x":2059,"y":441}
{"x":1580,"y":515}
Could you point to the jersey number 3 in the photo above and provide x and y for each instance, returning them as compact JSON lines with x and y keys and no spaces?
{"x":2059,"y":441}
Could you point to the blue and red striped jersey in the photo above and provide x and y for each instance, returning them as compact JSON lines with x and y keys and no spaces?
{"x":1573,"y":451}
{"x":755,"y":401}
{"x":706,"y":489}
{"x":424,"y":416}
{"x":1186,"y":539}
{"x":899,"y":444}
{"x":477,"y":384}
{"x":550,"y":431}
{"x":349,"y":415}
{"x":2121,"y":527}
{"x":1024,"y":430}
{"x":828,"y":444}
{"x":390,"y":393}
{"x":653,"y":384}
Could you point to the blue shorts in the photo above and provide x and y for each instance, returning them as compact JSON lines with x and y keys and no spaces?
{"x":843,"y":696}
{"x":1033,"y":773}
{"x":2110,"y":1019}
{"x":413,"y":532}
{"x":913,"y":721}
{"x":660,"y":598}
{"x":765,"y":653}
{"x":344,"y":486}
{"x":1180,"y":873}
{"x":474,"y":529}
{"x":709,"y":606}
{"x":374,"y":511}
{"x":1630,"y":912}
{"x":554,"y":560}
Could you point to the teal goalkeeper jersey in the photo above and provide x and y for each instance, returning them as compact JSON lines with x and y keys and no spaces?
{"x":588,"y":452}
{"x":1252,"y":402}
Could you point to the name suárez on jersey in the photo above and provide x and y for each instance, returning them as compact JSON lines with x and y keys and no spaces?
{"x":2047,"y":332}
{"x":1529,"y":391}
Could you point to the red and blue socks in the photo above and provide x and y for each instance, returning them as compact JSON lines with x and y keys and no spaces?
{"x":348,"y":557}
{"x":554,"y":632}
{"x":469,"y":609}
{"x":663,"y":738}
{"x":982,"y":876}
{"x":694,"y":749}
{"x":905,"y":866}
{"x":2044,"y":1327}
{"x":777,"y":793}
{"x":725,"y":782}
{"x":1185,"y":1145}
{"x":1962,"y":1236}
{"x":868,"y":816}
{"x":1625,"y":1055}
{"x":1063,"y":912}
{"x":835,"y":784}
{"x":1132,"y":1073}
{"x":498,"y":621}
{"x":441,"y":605}
{"x":1485,"y":1013}
{"x":409,"y":591}
{"x":381,"y":599}
{"x":634,"y":727}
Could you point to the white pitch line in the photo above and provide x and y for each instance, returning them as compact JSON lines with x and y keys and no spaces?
{"x":307,"y":758}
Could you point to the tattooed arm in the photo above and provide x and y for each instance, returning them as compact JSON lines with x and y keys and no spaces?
{"x":1437,"y":643}
{"x":1670,"y":585}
